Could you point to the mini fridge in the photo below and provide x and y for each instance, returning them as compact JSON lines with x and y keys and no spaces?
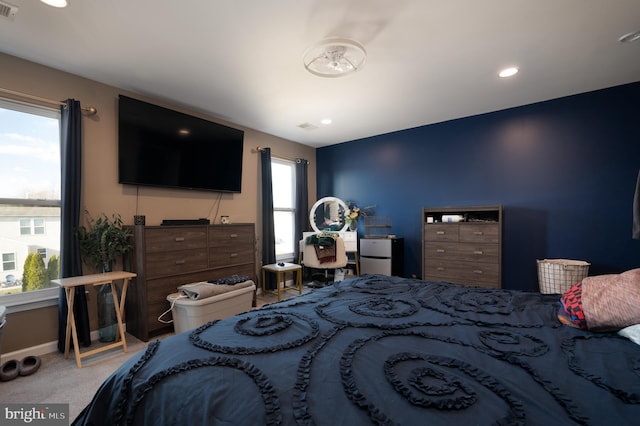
{"x":383,"y":256}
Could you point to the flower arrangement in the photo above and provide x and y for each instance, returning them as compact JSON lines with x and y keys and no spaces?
{"x":353,"y":212}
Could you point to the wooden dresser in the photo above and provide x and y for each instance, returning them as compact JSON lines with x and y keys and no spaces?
{"x":463,"y":245}
{"x":165,"y":257}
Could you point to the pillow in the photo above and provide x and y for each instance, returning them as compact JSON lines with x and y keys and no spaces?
{"x":571,"y":312}
{"x":611,"y":302}
{"x":632,"y":333}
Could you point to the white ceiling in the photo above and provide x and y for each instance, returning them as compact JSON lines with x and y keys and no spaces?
{"x":241,"y":60}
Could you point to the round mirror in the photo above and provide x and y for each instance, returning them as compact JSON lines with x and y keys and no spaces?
{"x":327,"y":214}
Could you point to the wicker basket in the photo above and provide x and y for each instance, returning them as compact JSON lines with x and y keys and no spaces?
{"x":558,"y":275}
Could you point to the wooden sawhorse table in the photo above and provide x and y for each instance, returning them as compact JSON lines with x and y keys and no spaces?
{"x":69,"y":285}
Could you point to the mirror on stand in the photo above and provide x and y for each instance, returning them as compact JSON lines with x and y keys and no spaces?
{"x":328,"y":213}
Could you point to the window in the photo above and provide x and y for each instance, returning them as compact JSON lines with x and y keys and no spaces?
{"x":284,"y":183}
{"x":8,"y":261}
{"x":30,"y":173}
{"x":31,"y":226}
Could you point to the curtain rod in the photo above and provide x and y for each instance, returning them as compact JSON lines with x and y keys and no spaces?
{"x":89,"y":110}
{"x":297,"y":160}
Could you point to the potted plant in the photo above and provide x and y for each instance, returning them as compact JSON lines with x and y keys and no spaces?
{"x":102,"y":244}
{"x":104,"y":241}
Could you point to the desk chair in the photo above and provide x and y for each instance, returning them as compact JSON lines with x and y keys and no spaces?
{"x":310,"y":258}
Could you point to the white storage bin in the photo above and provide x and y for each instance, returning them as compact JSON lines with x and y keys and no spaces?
{"x":558,"y":275}
{"x":3,"y":320}
{"x":189,"y":314}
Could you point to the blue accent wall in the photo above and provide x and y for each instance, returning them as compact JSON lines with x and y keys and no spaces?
{"x":565,"y":171}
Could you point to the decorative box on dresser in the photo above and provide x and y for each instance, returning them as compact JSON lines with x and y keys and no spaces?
{"x":165,"y":257}
{"x":463,"y":245}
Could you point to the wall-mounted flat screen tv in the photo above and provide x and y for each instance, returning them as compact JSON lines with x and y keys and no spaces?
{"x":161,"y":147}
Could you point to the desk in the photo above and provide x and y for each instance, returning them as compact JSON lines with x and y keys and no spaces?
{"x":281,"y":274}
{"x":68,"y":284}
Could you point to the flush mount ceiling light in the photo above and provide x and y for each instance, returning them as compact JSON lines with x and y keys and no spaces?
{"x":628,"y":38}
{"x":334,"y":57}
{"x":55,"y":3}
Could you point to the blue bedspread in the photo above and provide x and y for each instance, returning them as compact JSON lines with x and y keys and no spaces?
{"x":381,"y":350}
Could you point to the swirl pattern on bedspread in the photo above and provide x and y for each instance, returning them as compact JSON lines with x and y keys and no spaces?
{"x":381,"y":350}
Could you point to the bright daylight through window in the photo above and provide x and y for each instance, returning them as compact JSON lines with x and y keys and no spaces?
{"x":283,"y":178}
{"x":29,"y":198}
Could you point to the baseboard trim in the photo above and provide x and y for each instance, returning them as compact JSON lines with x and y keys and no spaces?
{"x":43,"y":349}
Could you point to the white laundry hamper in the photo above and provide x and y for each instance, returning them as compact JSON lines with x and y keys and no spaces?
{"x":558,"y":275}
{"x":189,"y":314}
{"x":3,"y":321}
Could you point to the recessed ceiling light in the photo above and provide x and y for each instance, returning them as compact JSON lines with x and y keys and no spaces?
{"x":326,"y":121}
{"x":55,"y":3}
{"x":508,"y":72}
{"x":628,"y":38}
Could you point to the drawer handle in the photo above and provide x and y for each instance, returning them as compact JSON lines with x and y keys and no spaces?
{"x":478,"y":252}
{"x":477,"y":233}
{"x":478,"y":271}
{"x":440,"y":250}
{"x":439,"y":232}
{"x":179,"y":239}
{"x":234,"y":254}
{"x":440,"y":268}
{"x":180,"y":262}
{"x":233,"y":236}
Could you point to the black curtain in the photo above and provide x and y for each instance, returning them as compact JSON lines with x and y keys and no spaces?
{"x":70,"y":261}
{"x":302,"y":204}
{"x":268,"y":232}
{"x":636,"y":211}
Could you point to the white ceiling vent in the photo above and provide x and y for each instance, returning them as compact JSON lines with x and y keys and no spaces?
{"x":8,"y":11}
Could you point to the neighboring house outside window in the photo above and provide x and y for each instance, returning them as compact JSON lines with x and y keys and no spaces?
{"x":30,"y":173}
{"x":31,"y":226}
{"x":8,"y":262}
{"x":284,"y":183}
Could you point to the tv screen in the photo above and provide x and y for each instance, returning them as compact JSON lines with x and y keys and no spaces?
{"x":161,"y":147}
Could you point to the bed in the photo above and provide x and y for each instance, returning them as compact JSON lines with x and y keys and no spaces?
{"x":381,"y":350}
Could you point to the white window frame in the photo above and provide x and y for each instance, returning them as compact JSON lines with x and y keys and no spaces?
{"x":7,"y":261}
{"x":288,"y":256}
{"x":33,"y":226}
{"x":38,"y":298}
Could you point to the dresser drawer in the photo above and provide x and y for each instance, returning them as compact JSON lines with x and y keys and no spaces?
{"x":480,"y":233}
{"x":468,"y":252}
{"x":468,"y":273}
{"x":225,"y":235}
{"x":172,"y":239}
{"x":175,"y":262}
{"x":442,"y":232}
{"x":230,"y":254}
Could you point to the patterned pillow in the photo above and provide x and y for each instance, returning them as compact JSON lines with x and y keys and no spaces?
{"x":570,"y":312}
{"x":602,"y":302}
{"x":611,"y":302}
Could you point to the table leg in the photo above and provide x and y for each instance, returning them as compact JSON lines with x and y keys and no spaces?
{"x":298,"y":273}
{"x":71,"y":324}
{"x":67,"y":334}
{"x":118,"y":307}
{"x":278,"y":278}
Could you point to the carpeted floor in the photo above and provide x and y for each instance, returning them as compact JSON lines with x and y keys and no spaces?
{"x":59,"y":380}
